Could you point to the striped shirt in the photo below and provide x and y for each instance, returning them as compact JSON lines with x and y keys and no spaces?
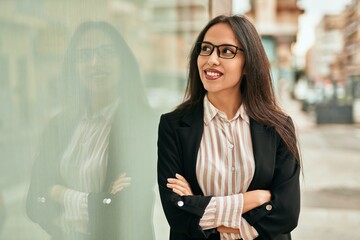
{"x":83,"y":167}
{"x":225,"y":168}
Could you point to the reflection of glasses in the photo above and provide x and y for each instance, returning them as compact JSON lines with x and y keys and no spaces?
{"x":227,"y":51}
{"x":103,"y":53}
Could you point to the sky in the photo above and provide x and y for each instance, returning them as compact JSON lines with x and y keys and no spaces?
{"x":314,"y":10}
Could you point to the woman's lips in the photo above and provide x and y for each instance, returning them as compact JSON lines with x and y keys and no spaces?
{"x":99,"y":75}
{"x":212,"y":74}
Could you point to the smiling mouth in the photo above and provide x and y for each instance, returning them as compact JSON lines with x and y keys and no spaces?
{"x":212,"y":75}
{"x":99,"y":75}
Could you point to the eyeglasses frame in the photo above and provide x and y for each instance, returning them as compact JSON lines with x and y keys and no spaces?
{"x":198,"y":44}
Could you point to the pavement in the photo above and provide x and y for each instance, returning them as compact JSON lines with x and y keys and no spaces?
{"x":331,"y":181}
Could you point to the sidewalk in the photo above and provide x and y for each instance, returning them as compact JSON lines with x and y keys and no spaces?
{"x":331,"y":184}
{"x":301,"y":120}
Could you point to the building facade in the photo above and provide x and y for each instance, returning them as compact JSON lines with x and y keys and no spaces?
{"x":34,"y":38}
{"x":328,"y":45}
{"x":333,"y":62}
{"x":351,"y":56}
{"x":277,"y":23}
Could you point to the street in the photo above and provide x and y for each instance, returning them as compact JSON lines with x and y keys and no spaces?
{"x":331,"y":180}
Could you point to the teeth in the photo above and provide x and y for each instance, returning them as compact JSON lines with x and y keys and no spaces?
{"x":213,"y":74}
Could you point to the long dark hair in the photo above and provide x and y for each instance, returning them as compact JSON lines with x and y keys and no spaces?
{"x":256,"y":86}
{"x":130,"y":87}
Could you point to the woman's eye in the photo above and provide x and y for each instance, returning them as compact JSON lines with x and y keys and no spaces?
{"x":228,"y":51}
{"x":106,"y":51}
{"x":206,"y":48}
{"x":84,"y":55}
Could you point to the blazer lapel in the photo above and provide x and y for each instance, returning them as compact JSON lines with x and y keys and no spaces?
{"x":263,"y":142}
{"x":190,"y":134}
{"x":264,"y":148}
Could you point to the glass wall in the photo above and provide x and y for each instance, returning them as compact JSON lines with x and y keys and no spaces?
{"x":82,"y":84}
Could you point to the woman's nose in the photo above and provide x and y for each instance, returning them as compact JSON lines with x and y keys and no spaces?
{"x":94,"y":59}
{"x":214,"y":58}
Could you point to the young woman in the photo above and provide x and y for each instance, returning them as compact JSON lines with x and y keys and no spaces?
{"x":228,"y":162}
{"x":88,"y":180}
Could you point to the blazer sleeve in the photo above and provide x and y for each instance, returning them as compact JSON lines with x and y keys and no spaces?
{"x":40,"y":207}
{"x":183,"y":213}
{"x":280,"y":215}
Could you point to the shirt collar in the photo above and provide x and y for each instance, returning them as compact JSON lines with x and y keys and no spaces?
{"x":210,"y":111}
{"x":106,"y":112}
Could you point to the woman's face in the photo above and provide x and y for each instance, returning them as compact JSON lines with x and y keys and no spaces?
{"x":97,"y":62}
{"x":220,"y":75}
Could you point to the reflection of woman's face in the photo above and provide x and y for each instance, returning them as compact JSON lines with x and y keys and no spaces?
{"x":97,"y":62}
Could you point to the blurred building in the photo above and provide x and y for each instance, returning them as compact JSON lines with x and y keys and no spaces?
{"x":328,"y":45}
{"x":335,"y":52}
{"x":34,"y":36}
{"x":277,"y":23}
{"x":175,"y":24}
{"x":351,"y":55}
{"x":333,"y":63}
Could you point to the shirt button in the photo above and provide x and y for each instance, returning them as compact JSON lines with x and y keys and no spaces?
{"x":231,"y":145}
{"x":268,"y":207}
{"x":180,"y":203}
{"x":233,"y":169}
{"x":107,"y":201}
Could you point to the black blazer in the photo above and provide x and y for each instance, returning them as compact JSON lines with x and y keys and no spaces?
{"x":129,"y":214}
{"x":179,"y":138}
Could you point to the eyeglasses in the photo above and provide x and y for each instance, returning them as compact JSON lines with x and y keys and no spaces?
{"x":226,"y":51}
{"x":87,"y":54}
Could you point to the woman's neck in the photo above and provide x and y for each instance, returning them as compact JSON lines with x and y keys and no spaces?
{"x":226,"y":102}
{"x":99,"y":101}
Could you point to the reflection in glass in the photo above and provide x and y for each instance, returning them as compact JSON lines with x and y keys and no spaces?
{"x":94,"y":166}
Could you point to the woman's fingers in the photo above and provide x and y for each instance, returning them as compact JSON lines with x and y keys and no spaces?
{"x":264,"y":195}
{"x":179,"y":185}
{"x":118,"y":187}
{"x":179,"y":189}
{"x":177,"y":182}
{"x":57,"y":192}
{"x":178,"y":192}
{"x":123,"y":180}
{"x":181,"y":178}
{"x":120,"y":183}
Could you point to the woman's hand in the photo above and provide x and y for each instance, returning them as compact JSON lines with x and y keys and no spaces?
{"x":252,"y":199}
{"x":255,"y":198}
{"x":57,"y":193}
{"x":120,"y":183}
{"x":223,"y":229}
{"x":179,"y":185}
